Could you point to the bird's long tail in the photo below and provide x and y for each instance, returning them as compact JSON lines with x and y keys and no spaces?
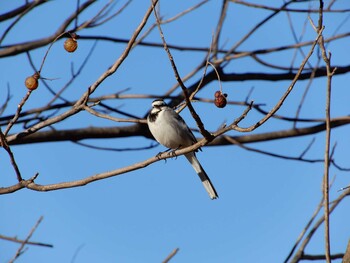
{"x":191,"y":157}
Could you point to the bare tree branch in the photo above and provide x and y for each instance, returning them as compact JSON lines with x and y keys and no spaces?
{"x":20,"y":249}
{"x":346,"y":258}
{"x":171,"y":255}
{"x":24,"y":125}
{"x":26,"y":46}
{"x":16,"y":240}
{"x":19,"y":10}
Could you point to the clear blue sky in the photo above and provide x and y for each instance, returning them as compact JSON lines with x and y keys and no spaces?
{"x":142,"y":216}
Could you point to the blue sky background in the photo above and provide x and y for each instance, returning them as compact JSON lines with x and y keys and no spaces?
{"x":142,"y":216}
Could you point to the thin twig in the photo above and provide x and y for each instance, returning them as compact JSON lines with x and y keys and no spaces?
{"x":19,"y":109}
{"x":317,"y":224}
{"x":303,"y":232}
{"x":20,"y":249}
{"x":219,"y":27}
{"x":195,"y":116}
{"x":328,"y":136}
{"x":286,"y":94}
{"x":4,"y":144}
{"x":79,"y":105}
{"x":171,"y":255}
{"x":105,"y":116}
{"x":30,"y":184}
{"x":16,"y":240}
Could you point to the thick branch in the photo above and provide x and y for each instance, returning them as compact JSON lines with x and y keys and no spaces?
{"x":320,"y":72}
{"x":297,"y":132}
{"x":83,"y":133}
{"x":142,"y":130}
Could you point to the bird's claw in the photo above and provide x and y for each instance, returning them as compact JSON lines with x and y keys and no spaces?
{"x":172,"y":154}
{"x":158,"y":156}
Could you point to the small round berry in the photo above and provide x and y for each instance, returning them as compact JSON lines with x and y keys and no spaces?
{"x":32,"y":82}
{"x":70,"y":45}
{"x":220,"y":100}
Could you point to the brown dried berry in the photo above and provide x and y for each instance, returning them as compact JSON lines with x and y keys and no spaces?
{"x":217,"y":94}
{"x":220,"y":99}
{"x":70,"y":45}
{"x":31,"y":82}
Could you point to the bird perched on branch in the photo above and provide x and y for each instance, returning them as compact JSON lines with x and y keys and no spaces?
{"x":170,"y":130}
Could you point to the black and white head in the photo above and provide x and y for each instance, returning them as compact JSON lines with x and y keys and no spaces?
{"x":159,"y":104}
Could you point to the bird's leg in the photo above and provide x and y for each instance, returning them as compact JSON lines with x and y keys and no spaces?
{"x":160,"y":153}
{"x":172,"y":152}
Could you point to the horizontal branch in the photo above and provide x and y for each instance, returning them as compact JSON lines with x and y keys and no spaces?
{"x":16,"y":240}
{"x":319,"y":72}
{"x":30,"y":183}
{"x":321,"y":257}
{"x":142,"y":130}
{"x":81,"y":134}
{"x":296,"y":10}
{"x":235,"y":53}
{"x":276,"y":135}
{"x":265,"y":76}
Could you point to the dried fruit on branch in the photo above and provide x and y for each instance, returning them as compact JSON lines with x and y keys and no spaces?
{"x":220,"y":99}
{"x":71,"y":44}
{"x":32,"y":82}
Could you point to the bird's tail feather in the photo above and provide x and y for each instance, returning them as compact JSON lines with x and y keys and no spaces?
{"x":209,"y":187}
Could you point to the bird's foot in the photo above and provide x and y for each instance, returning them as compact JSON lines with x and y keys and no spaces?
{"x":159,"y":154}
{"x":172,"y":154}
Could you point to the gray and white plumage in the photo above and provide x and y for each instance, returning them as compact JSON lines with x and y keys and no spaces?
{"x":170,"y":130}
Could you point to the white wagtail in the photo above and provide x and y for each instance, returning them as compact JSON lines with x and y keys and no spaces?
{"x":170,"y":130}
